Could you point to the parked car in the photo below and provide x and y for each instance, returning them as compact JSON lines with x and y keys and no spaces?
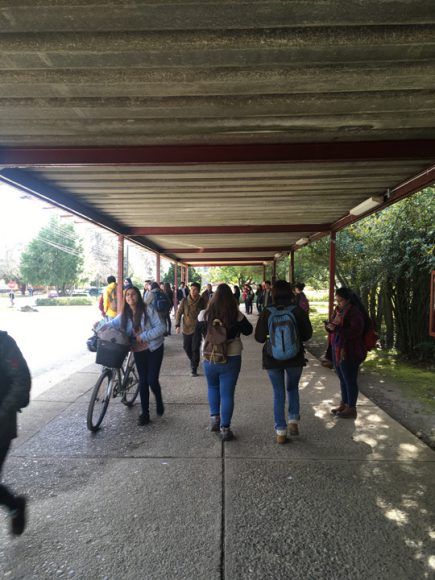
{"x":53,"y":294}
{"x":80,"y":292}
{"x":94,"y":291}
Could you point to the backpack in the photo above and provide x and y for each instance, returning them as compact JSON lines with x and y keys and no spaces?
{"x":283,"y":342}
{"x":113,"y":299}
{"x":215,"y":343}
{"x":370,"y":336}
{"x":303,"y":302}
{"x":161,"y":302}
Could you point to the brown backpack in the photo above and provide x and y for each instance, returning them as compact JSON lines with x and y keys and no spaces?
{"x":215,"y":343}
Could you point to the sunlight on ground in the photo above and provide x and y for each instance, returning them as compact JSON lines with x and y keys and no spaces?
{"x":408,"y":451}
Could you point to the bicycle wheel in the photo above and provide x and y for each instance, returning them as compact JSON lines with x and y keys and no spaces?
{"x":99,"y":400}
{"x":130,"y":383}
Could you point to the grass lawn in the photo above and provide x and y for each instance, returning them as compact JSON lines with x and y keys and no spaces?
{"x":414,"y":382}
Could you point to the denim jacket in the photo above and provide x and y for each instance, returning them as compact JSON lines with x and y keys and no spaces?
{"x":152,"y":331}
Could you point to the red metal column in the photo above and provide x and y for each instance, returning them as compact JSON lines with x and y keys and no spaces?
{"x":274,"y":271}
{"x":120,"y":276}
{"x":186,"y":275}
{"x":175,"y":284}
{"x":158,"y":268}
{"x":292,"y":267}
{"x":332,"y":247}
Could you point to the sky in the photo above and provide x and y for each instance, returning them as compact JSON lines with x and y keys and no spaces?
{"x":21,"y":216}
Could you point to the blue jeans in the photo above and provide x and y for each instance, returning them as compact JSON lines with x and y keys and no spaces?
{"x":221,"y":382}
{"x":277,"y":378}
{"x":347,"y":372}
{"x":148,"y":366}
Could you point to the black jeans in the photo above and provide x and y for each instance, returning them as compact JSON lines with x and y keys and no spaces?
{"x":191,"y":350}
{"x":6,"y":497}
{"x":168,"y":323}
{"x":148,"y":367}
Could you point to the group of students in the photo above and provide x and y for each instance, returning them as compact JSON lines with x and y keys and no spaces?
{"x":197,"y":312}
{"x":140,"y":319}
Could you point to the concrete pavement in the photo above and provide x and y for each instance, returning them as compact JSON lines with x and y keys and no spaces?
{"x":347,"y":499}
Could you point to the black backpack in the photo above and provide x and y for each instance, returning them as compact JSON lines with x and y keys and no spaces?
{"x":161,"y":302}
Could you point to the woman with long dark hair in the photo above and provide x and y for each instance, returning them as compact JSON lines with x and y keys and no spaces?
{"x":300,"y":298}
{"x":142,"y":322}
{"x":284,"y":374}
{"x":168,"y":291}
{"x":222,"y":377}
{"x":348,"y":327}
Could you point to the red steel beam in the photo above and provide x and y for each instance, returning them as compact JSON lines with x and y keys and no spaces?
{"x":401,"y":191}
{"x":120,"y":273}
{"x":332,"y":258}
{"x":241,"y":153}
{"x":220,"y":263}
{"x":405,"y":189}
{"x":241,"y":229}
{"x":273,"y":249}
{"x":234,"y":259}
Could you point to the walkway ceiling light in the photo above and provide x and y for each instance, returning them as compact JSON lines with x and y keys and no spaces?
{"x":367,"y":205}
{"x":302,"y":242}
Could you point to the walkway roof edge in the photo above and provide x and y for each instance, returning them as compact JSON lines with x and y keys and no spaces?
{"x":201,"y":154}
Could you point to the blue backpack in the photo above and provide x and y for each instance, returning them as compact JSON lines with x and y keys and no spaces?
{"x":283,"y":342}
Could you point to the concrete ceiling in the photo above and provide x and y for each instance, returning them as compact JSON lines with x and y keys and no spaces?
{"x":218,"y":130}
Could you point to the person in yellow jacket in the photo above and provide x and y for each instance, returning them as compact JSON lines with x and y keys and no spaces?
{"x":109,"y":298}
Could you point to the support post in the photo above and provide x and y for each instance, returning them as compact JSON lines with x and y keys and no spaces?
{"x":332,"y":248}
{"x":158,"y":268}
{"x":292,"y":267}
{"x":175,"y":285}
{"x":120,"y":275}
{"x":186,"y":275}
{"x":273,"y":271}
{"x":264,"y":273}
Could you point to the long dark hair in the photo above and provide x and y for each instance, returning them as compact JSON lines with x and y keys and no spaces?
{"x":354,"y":299}
{"x":127,"y":312}
{"x":282,"y":292}
{"x":223,"y":306}
{"x":168,"y":290}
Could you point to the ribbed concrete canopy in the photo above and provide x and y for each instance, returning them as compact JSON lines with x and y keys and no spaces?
{"x":220,"y":131}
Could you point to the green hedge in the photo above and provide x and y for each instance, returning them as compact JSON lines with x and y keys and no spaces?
{"x":74,"y":301}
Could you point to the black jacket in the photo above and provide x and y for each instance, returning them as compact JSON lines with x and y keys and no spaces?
{"x":305,"y":333}
{"x":15,"y":384}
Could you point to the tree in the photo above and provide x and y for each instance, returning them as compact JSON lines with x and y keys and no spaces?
{"x":193,"y":275}
{"x":239,"y":275}
{"x":54,"y":257}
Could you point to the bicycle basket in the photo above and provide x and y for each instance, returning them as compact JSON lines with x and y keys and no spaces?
{"x":111,"y":354}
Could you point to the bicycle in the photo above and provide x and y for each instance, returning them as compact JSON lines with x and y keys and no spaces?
{"x":111,"y":383}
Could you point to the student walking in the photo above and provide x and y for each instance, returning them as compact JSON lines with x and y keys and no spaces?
{"x":110,"y":300}
{"x":222,"y":376}
{"x":187,"y":315}
{"x":284,"y":359}
{"x":15,"y":384}
{"x":143,"y":324}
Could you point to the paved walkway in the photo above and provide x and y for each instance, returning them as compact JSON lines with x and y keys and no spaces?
{"x":344,"y":500}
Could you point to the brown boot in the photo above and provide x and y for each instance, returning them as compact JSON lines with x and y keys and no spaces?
{"x":348,"y":413}
{"x":339,"y":409}
{"x":281,"y":437}
{"x":293,"y":429}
